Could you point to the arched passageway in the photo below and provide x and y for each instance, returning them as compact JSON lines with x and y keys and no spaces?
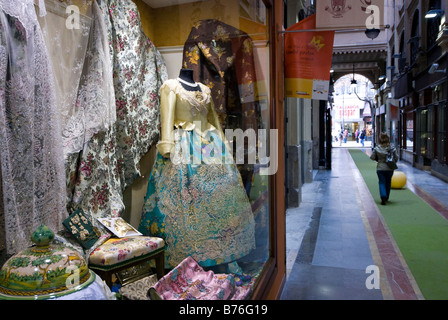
{"x":351,"y":110}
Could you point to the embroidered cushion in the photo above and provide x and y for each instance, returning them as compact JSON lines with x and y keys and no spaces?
{"x":83,"y":230}
{"x":115,"y":251}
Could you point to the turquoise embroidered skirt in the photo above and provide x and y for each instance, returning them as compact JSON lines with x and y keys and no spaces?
{"x":200,"y":209}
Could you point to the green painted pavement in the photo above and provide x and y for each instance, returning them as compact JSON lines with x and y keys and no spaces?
{"x":419,"y":231}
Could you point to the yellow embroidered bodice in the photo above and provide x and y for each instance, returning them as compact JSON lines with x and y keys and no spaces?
{"x":184,"y":109}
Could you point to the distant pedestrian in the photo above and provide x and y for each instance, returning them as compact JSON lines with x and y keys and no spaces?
{"x":345,"y":135}
{"x":362,"y":136}
{"x":380,"y":154}
{"x":357,"y":135}
{"x":341,"y":136}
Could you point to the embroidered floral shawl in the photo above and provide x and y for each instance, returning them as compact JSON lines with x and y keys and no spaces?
{"x":109,"y":162}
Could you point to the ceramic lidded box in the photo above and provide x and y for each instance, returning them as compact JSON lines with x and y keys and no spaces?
{"x":44,"y":270}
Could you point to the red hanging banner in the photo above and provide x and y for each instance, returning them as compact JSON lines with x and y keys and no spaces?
{"x":308,"y":58}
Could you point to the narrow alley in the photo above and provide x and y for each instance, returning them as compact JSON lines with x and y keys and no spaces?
{"x":337,"y":240}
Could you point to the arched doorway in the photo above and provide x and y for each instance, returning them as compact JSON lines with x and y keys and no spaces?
{"x":351,"y":113}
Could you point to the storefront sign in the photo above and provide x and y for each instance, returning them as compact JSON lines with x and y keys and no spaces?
{"x":347,"y":109}
{"x":308,"y":57}
{"x":348,"y":113}
{"x":347,"y":14}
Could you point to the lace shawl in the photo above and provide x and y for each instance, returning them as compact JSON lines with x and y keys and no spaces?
{"x":31,"y":158}
{"x":108,"y":163}
{"x":83,"y":72}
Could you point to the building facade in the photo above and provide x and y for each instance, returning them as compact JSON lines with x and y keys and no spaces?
{"x":416,"y":89}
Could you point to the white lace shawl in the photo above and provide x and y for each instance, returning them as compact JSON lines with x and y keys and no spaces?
{"x":31,"y":159}
{"x":83,"y":73}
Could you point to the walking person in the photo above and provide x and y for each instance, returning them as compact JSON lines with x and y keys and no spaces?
{"x":385,"y":171}
{"x":362,"y":136}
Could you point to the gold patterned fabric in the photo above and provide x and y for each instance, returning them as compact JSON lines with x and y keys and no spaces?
{"x":195,"y":199}
{"x":222,"y":58}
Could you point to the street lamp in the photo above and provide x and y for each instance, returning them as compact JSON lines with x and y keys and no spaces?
{"x":353,"y":83}
{"x":372,"y":33}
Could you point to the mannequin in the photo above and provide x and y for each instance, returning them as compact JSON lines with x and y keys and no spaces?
{"x":200,"y":208}
{"x":187,"y":81}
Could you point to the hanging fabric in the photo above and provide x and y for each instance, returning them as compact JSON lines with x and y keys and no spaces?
{"x":31,"y":157}
{"x":222,"y":58}
{"x":109,"y":161}
{"x":79,"y":52}
{"x":66,"y":48}
{"x":139,"y":72}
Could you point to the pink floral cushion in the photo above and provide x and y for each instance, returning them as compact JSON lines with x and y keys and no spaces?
{"x":118,"y":250}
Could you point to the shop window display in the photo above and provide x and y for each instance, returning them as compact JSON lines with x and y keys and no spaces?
{"x":421,"y":132}
{"x":223,"y":55}
{"x":195,"y":200}
{"x":169,"y":96}
{"x":409,"y":143}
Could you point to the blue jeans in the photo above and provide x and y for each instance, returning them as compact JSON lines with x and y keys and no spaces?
{"x":384,"y":181}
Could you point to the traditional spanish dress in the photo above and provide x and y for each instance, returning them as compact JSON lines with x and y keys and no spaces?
{"x":222,"y":58}
{"x":195,"y":199}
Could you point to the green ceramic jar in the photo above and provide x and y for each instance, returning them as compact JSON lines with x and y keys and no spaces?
{"x":44,"y":270}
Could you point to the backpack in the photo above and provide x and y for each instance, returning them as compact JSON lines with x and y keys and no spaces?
{"x":390,"y":160}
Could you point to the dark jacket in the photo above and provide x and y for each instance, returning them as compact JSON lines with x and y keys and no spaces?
{"x":222,"y":58}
